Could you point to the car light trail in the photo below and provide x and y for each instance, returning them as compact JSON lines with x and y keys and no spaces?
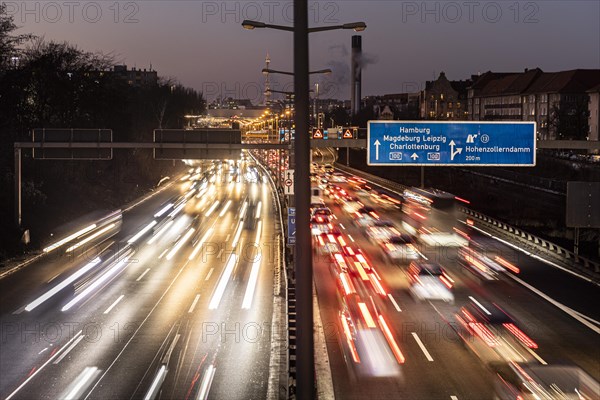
{"x":236,"y":236}
{"x":90,"y":238}
{"x":164,"y":210}
{"x":93,"y":286}
{"x":258,"y":210}
{"x":366,"y":315}
{"x":391,"y":341}
{"x":207,"y":379}
{"x":212,"y":209}
{"x":216,"y":298}
{"x":68,"y":349}
{"x":177,"y":209}
{"x":506,"y":264}
{"x":248,"y":296}
{"x":81,"y":383}
{"x":179,"y":244}
{"x":198,"y":247}
{"x":158,"y":380}
{"x":62,"y":285}
{"x":37,"y":371}
{"x":69,"y":238}
{"x":225,"y":208}
{"x":160,"y":232}
{"x":243,"y":210}
{"x":142,"y":232}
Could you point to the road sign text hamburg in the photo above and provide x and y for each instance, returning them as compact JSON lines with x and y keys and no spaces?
{"x":451,"y":143}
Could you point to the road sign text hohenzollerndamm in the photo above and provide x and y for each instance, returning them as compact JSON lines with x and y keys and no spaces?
{"x":475,"y":143}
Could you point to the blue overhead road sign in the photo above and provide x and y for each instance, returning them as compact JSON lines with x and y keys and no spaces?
{"x":475,"y":143}
{"x":291,"y":226}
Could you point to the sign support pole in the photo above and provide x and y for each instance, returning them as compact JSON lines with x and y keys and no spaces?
{"x":18,"y":187}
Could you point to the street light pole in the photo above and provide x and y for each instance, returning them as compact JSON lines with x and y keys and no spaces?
{"x":305,"y":369}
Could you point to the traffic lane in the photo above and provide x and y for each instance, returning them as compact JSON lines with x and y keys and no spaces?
{"x":559,"y":337}
{"x":438,"y":348}
{"x":134,"y":283}
{"x":206,"y":334}
{"x":555,"y":282}
{"x":38,"y":276}
{"x":452,"y":371}
{"x":51,"y":316}
{"x":223,"y":235}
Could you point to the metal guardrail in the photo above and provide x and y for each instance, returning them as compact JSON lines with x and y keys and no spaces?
{"x":279,"y":389}
{"x":515,"y":235}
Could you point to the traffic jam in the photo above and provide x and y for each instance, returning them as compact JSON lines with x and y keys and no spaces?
{"x":391,"y":252}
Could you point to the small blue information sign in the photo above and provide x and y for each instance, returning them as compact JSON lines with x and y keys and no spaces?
{"x":291,"y":240}
{"x":475,"y":143}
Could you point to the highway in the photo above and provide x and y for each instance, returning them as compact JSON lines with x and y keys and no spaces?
{"x":437,"y":363}
{"x":173,"y":299}
{"x":181,"y":310}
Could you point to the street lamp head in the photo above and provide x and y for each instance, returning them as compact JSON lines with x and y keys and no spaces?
{"x":248,"y":24}
{"x":356,"y":26}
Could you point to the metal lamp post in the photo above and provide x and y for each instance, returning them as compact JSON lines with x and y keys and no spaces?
{"x":305,"y":372}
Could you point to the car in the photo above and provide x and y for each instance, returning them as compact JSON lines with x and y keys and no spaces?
{"x":316,"y":202}
{"x":370,"y":347}
{"x":328,"y":168}
{"x":429,"y":281}
{"x":380,"y":231}
{"x":492,"y":333}
{"x":365,"y":216}
{"x":322,"y":214}
{"x":529,"y":381}
{"x":338,"y":177}
{"x":401,"y":248}
{"x":480,"y":264}
{"x":318,"y":226}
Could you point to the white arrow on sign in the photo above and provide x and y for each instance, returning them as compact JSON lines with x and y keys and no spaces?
{"x":414,"y":156}
{"x":377,"y":144}
{"x":452,"y":152}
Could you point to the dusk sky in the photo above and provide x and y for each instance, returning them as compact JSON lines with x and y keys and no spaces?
{"x":202,"y":44}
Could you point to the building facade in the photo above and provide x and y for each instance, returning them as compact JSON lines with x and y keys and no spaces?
{"x":444,"y":100}
{"x":557,"y":101}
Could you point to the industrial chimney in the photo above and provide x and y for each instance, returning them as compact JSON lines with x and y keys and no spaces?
{"x":356,"y":82}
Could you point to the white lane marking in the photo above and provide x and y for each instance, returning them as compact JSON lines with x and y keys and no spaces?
{"x":209,"y":274}
{"x":227,"y":237}
{"x":342,"y":226}
{"x":564,"y":308}
{"x":142,"y":275}
{"x":81,"y":381}
{"x":68,"y":350}
{"x":351,"y":238}
{"x":194,"y":303}
{"x":133,"y":336}
{"x":37,"y":371}
{"x":114,"y":304}
{"x":158,"y":380}
{"x":535,"y":256}
{"x":163,"y":253}
{"x":223,"y":281}
{"x":394,"y":302}
{"x":43,"y":350}
{"x":453,"y":398}
{"x":540,"y":359}
{"x":220,"y":254}
{"x":422,"y":346}
{"x":207,"y":379}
